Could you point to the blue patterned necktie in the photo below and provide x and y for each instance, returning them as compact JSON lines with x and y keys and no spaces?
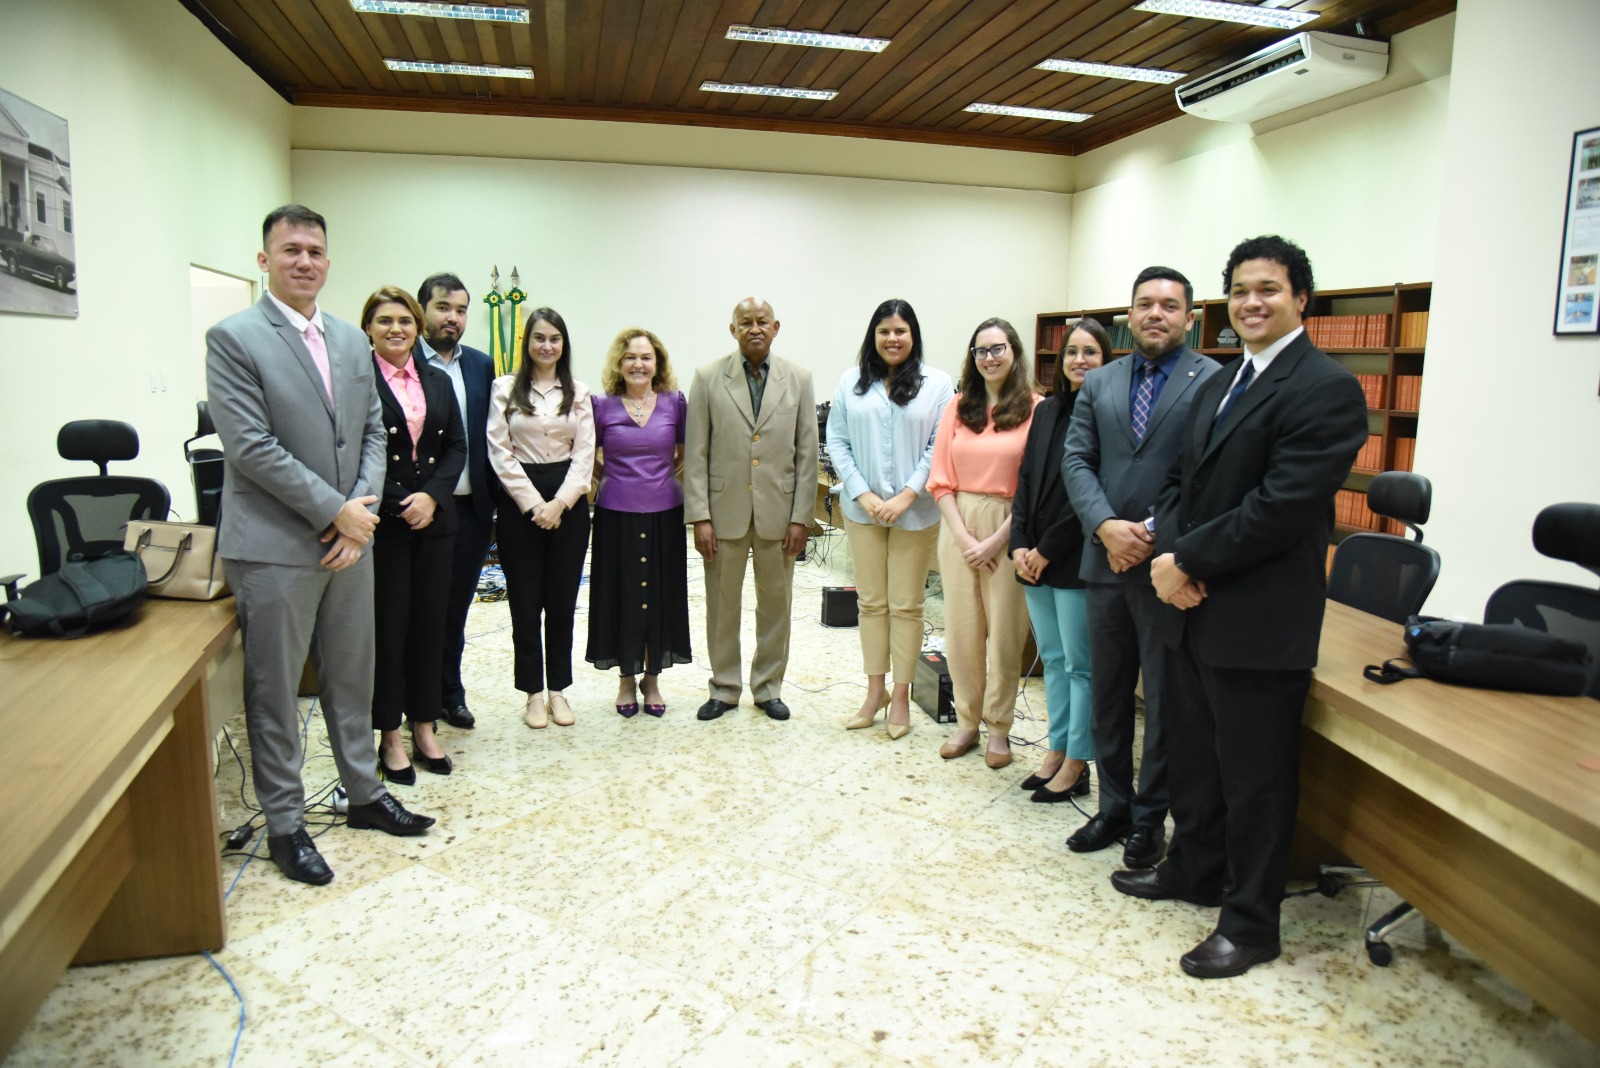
{"x":1143,"y":400}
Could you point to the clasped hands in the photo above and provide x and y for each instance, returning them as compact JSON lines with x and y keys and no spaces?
{"x":886,"y":513}
{"x":352,"y":528}
{"x":1173,"y":585}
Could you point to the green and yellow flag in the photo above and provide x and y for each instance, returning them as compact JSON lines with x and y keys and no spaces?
{"x":505,"y":322}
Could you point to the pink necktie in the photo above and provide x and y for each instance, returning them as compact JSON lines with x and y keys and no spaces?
{"x":319,"y":356}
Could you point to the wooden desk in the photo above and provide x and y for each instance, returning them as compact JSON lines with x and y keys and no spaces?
{"x":111,"y":848}
{"x":1470,"y":804}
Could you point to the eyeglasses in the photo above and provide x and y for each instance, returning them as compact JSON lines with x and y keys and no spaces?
{"x":993,"y":352}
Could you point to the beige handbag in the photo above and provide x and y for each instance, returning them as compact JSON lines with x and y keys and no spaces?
{"x":180,"y":559}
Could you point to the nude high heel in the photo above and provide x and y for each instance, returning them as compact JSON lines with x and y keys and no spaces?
{"x":536,"y":713}
{"x":866,"y":721}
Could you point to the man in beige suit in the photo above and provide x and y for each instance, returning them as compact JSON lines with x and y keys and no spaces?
{"x":750,"y":460}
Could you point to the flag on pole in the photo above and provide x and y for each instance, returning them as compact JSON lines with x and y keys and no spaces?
{"x":505,"y":322}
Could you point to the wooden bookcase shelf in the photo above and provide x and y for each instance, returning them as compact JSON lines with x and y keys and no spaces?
{"x":1379,"y":333}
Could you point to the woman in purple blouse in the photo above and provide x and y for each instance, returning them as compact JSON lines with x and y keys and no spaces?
{"x":639,"y":582}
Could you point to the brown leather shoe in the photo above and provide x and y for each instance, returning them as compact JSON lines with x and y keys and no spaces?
{"x":1219,"y":958}
{"x":997,"y":760}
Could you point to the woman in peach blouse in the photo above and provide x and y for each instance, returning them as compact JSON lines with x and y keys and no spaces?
{"x":541,"y":443}
{"x":975,"y":460}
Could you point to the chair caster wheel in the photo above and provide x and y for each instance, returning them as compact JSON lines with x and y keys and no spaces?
{"x":1329,"y":885}
{"x":1380,"y":953}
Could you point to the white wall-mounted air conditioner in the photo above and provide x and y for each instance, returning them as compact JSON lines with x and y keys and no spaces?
{"x":1296,"y":71}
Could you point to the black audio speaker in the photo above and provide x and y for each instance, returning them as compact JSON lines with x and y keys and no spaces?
{"x":839,"y":607}
{"x":930,"y":688}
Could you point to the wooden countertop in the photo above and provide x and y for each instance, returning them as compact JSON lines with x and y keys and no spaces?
{"x":1522,"y":749}
{"x":80,"y":718}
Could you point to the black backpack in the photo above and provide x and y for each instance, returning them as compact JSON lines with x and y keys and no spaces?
{"x":84,"y":595}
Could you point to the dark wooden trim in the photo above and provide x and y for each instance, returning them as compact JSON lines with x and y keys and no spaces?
{"x":197,"y":8}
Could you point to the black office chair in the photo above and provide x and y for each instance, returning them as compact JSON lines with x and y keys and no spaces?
{"x":82,"y":518}
{"x":1562,"y":532}
{"x":205,"y":469}
{"x":1385,"y":574}
{"x":1388,"y":576}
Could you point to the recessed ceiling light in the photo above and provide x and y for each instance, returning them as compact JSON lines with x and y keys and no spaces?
{"x":847,"y":41}
{"x":475,"y":12}
{"x":475,"y":70}
{"x":1028,"y":113}
{"x":1223,"y":12}
{"x":1108,"y":70}
{"x":769,"y":90}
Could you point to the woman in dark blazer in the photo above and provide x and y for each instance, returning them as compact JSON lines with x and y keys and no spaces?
{"x":415,"y":537}
{"x":1046,"y":551}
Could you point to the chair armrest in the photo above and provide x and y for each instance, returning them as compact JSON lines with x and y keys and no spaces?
{"x":10,"y":584}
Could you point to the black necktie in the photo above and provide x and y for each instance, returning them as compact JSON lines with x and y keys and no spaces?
{"x":1233,"y":394}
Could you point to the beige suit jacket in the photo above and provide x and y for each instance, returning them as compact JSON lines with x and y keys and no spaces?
{"x":738,"y":469}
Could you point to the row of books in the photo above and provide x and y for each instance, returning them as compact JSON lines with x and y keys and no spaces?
{"x":1370,"y":458}
{"x":1350,"y":510}
{"x":1349,"y":331}
{"x":1413,"y":330}
{"x":1054,"y":335}
{"x":1405,"y":451}
{"x":1372,"y":386}
{"x":1408,"y":393}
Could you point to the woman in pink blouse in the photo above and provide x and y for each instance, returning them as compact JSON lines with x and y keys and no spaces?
{"x":411,"y":548}
{"x":975,"y":461}
{"x":541,"y":443}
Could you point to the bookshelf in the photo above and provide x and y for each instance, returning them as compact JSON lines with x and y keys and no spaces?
{"x":1380,"y":333}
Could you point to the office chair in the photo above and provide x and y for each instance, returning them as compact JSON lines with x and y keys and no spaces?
{"x":1562,"y":532}
{"x":205,"y":469}
{"x":1388,"y":576}
{"x":82,"y":518}
{"x":1383,"y":574}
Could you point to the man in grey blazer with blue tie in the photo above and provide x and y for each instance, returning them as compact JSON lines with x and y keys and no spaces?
{"x":293,"y":398}
{"x":1126,"y":430}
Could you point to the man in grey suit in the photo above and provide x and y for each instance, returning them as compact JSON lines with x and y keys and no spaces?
{"x":293,"y":398}
{"x":749,"y":468}
{"x":1125,"y":433}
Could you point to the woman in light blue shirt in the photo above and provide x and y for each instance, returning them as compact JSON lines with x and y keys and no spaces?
{"x":880,"y":440}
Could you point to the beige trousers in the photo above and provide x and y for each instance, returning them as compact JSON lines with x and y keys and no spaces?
{"x":774,"y":597}
{"x":891,"y":572}
{"x":985,"y":620}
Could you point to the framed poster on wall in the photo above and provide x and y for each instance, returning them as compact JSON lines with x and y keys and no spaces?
{"x":37,"y":248}
{"x":1576,"y":289}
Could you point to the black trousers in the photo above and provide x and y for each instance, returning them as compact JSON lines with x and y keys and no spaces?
{"x":544,"y":569}
{"x":411,"y":575}
{"x":1122,"y":639}
{"x":1233,"y":737}
{"x":473,"y":536}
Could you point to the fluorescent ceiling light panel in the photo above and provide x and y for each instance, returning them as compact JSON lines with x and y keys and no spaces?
{"x":1028,"y":113}
{"x":1108,"y":70}
{"x":474,"y":12}
{"x":474,"y":70}
{"x":1215,"y":9}
{"x":846,"y":41}
{"x":769,"y":90}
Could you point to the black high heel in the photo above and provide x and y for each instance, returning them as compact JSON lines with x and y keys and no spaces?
{"x":439,"y":766}
{"x":1079,"y":788}
{"x":406,"y":776}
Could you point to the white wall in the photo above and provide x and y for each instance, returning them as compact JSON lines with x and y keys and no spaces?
{"x":1357,"y":187}
{"x":178,"y":151}
{"x":1510,"y":421}
{"x":674,"y":248}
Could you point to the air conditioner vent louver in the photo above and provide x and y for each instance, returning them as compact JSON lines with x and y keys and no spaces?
{"x":1295,"y":71}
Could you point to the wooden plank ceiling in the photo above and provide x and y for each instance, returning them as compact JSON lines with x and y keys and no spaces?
{"x":644,"y":60}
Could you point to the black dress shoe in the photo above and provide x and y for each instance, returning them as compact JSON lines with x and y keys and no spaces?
{"x":1144,"y":846}
{"x":297,"y":857}
{"x":1147,"y":884}
{"x":406,"y":776}
{"x":1099,"y":832}
{"x":1219,"y":958}
{"x":775,"y":709}
{"x":1079,"y":788}
{"x":440,"y":766}
{"x":460,"y":717}
{"x":714,"y":708}
{"x":387,"y":815}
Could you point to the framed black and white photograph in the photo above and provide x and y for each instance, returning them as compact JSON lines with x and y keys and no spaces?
{"x":1576,"y":290}
{"x":37,"y":250}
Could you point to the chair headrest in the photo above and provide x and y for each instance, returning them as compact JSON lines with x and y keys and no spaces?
{"x":203,"y":424}
{"x":98,"y":440}
{"x":1402,"y":495}
{"x":1570,"y":532}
